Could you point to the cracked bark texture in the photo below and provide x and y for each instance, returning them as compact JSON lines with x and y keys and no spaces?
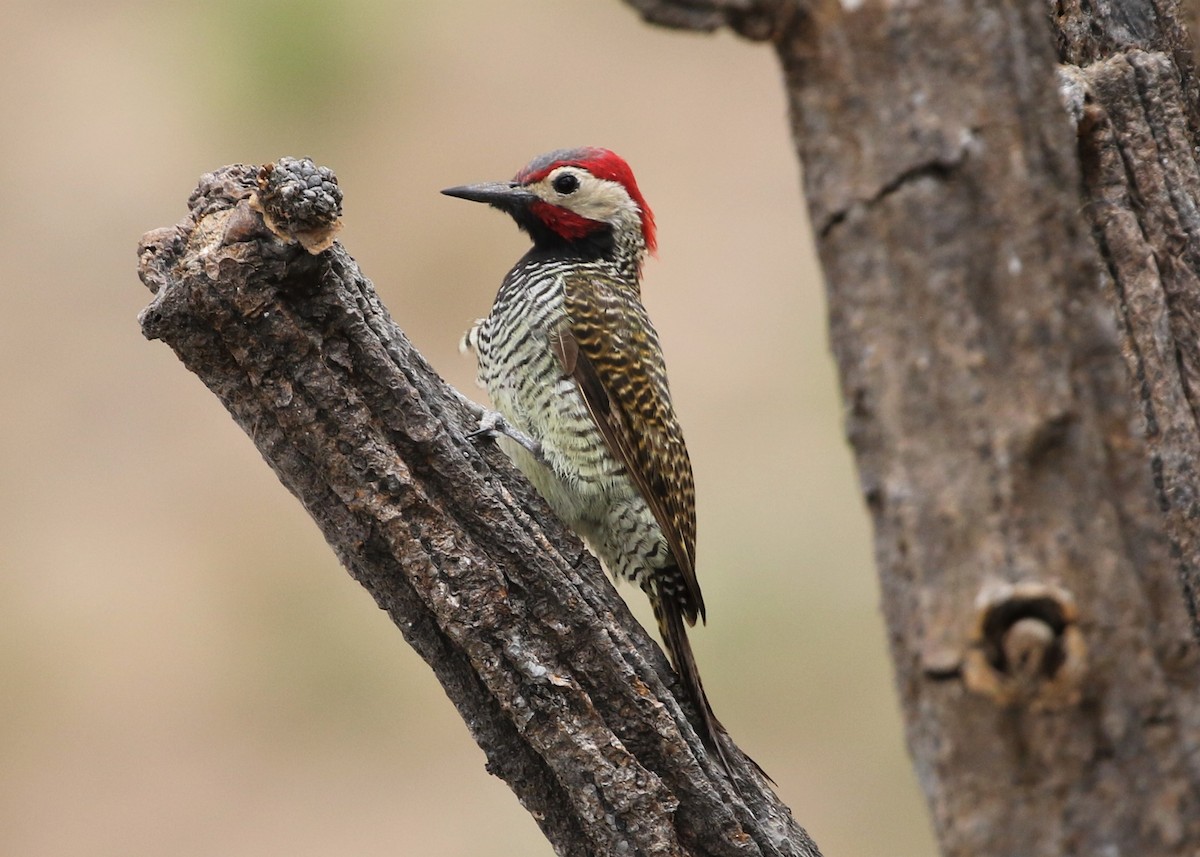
{"x":1004,"y":195}
{"x":572,"y":703}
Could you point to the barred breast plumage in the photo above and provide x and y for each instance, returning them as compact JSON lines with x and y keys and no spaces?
{"x":585,"y":484}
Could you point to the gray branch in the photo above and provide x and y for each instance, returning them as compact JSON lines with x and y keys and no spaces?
{"x":570,"y":700}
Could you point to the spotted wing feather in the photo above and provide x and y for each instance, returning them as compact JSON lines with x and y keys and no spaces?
{"x":611,"y":350}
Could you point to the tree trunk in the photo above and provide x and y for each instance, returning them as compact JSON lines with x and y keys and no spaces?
{"x":1005,"y":201}
{"x":558,"y":683}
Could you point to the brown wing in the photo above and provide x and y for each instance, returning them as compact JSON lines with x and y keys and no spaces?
{"x":611,"y":350}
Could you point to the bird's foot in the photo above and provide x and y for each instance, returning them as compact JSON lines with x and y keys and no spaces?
{"x":492,"y":425}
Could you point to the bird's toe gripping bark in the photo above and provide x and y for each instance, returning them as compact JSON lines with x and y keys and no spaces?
{"x":492,"y":425}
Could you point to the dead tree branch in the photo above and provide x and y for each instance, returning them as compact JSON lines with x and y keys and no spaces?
{"x":559,"y":685}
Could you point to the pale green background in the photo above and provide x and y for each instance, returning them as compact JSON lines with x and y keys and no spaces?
{"x":184,"y":668}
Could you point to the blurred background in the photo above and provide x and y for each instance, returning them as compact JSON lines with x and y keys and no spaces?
{"x":184,"y":667}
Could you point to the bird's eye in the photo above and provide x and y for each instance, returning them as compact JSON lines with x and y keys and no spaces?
{"x":566,"y":183}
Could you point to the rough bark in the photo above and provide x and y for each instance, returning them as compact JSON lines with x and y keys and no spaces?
{"x":1005,"y":199}
{"x":560,"y":686}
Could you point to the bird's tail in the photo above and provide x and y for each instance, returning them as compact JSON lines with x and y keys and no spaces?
{"x":669,"y":613}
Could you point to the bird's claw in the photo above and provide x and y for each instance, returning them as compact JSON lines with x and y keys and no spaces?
{"x":492,"y":425}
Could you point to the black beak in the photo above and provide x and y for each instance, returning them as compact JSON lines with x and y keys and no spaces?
{"x":504,"y":195}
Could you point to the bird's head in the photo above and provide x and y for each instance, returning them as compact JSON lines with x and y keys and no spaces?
{"x":582,"y":200}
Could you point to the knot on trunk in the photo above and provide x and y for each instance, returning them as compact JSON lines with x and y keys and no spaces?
{"x":1026,"y":647}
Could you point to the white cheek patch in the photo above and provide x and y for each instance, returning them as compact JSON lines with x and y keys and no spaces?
{"x":599,"y":199}
{"x":595,"y":199}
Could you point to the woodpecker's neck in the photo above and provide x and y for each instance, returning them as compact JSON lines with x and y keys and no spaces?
{"x":622,"y":250}
{"x":629,"y":248}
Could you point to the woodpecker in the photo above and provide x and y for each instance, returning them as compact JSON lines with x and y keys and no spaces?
{"x":573,"y":365}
